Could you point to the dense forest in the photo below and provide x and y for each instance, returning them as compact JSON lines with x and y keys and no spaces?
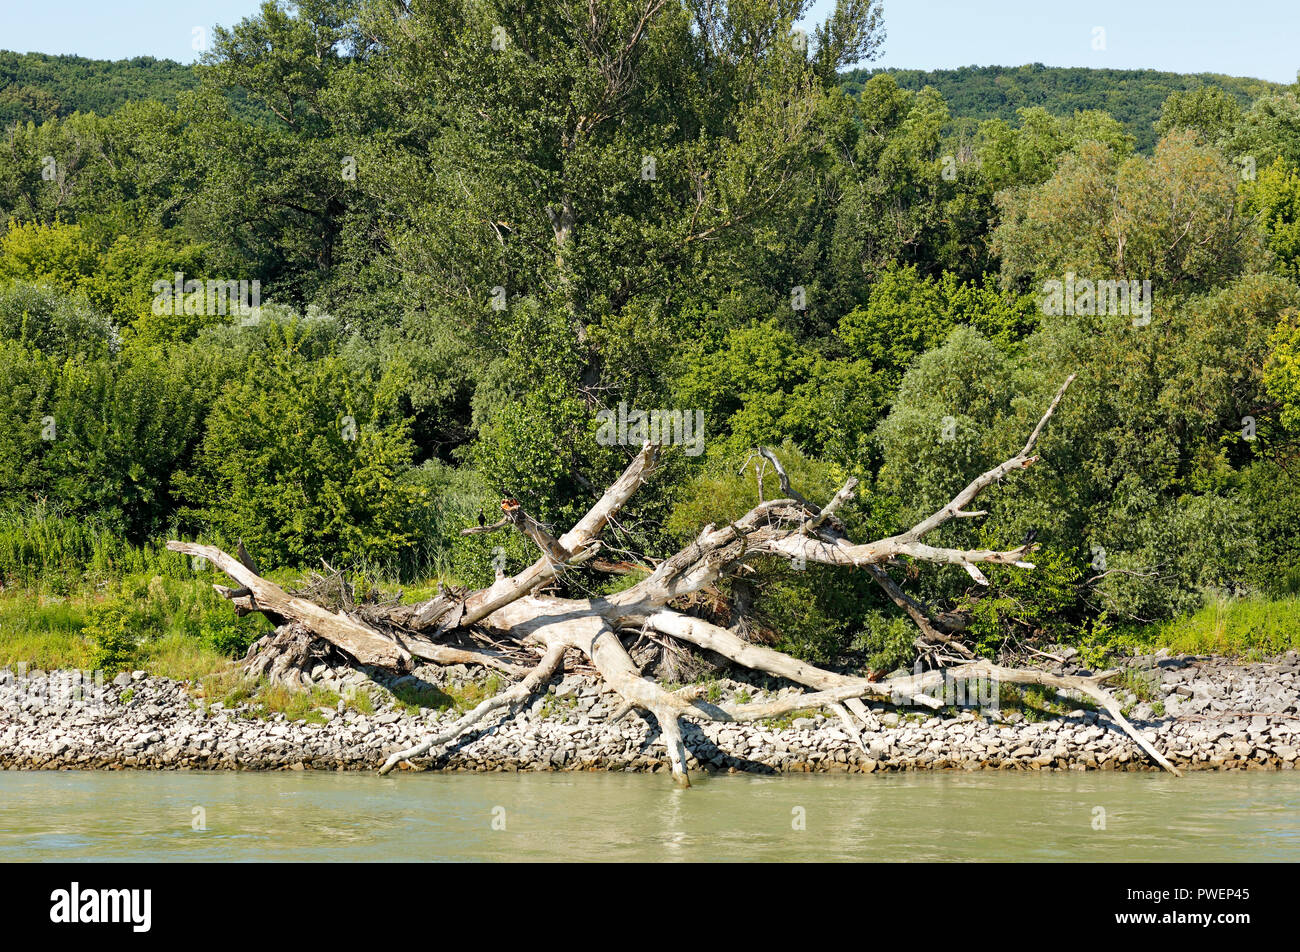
{"x":35,"y":87}
{"x":1133,"y":96}
{"x":470,"y":232}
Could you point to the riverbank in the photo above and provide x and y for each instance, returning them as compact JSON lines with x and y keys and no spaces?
{"x":1200,"y":712}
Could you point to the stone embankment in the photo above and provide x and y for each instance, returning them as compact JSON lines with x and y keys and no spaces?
{"x":1202,"y":713}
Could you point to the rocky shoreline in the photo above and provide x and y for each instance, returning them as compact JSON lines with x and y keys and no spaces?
{"x":1203,"y":713}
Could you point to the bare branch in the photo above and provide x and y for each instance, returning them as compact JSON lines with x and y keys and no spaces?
{"x":362,"y":642}
{"x":508,"y":698}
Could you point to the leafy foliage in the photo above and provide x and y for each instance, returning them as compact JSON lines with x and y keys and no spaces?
{"x":1135,"y":97}
{"x":477,"y":226}
{"x":302,"y":461}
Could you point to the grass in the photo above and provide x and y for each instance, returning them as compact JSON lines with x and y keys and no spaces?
{"x":1247,"y":627}
{"x":1038,"y":703}
{"x":1251,"y":629}
{"x":272,"y":699}
{"x":182,"y":658}
{"x":265,"y":700}
{"x":69,"y":587}
{"x":361,"y":702}
{"x":786,"y":720}
{"x":412,"y":699}
{"x":176,"y":629}
{"x":419,"y":592}
{"x":1141,"y":684}
{"x":553,"y":704}
{"x":43,"y":631}
{"x":46,"y":551}
{"x":75,"y":595}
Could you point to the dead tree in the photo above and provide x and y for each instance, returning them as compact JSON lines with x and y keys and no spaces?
{"x":513,"y":613}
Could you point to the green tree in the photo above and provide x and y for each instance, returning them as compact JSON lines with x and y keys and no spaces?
{"x":1104,"y":218}
{"x":1210,"y":111}
{"x":1269,"y":130}
{"x":58,"y":255}
{"x":1273,"y":201}
{"x":1028,"y":153}
{"x":304,"y":462}
{"x":907,"y":315}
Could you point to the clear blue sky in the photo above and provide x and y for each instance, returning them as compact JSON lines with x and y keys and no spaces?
{"x":1258,"y":38}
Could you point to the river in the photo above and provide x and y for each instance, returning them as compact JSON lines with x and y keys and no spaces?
{"x":218,"y":816}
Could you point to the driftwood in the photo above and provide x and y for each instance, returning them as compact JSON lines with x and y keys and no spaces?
{"x":790,"y":527}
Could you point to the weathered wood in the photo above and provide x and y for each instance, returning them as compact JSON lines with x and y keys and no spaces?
{"x":790,"y":527}
{"x":570,"y":548}
{"x":516,"y":694}
{"x":365,"y":644}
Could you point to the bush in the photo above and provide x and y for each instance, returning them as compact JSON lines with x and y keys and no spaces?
{"x":124,"y":426}
{"x":1040,"y":604}
{"x":887,"y":641}
{"x":948,"y":421}
{"x":110,"y":630}
{"x":303,"y":460}
{"x":908,"y":315}
{"x":1170,"y":560}
{"x":228,"y":639}
{"x":725,"y":490}
{"x":53,"y":322}
{"x":57,"y":255}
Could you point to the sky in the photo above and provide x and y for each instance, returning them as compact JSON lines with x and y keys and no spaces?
{"x":1259,"y":38}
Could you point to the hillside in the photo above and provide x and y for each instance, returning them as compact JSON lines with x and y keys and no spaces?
{"x":36,"y":86}
{"x":1132,"y":96}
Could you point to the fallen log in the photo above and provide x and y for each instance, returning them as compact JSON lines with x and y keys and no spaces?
{"x":548,"y":627}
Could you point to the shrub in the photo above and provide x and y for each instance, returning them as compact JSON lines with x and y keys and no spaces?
{"x":110,"y":629}
{"x":228,"y":639}
{"x":886,"y":640}
{"x":55,"y":323}
{"x":303,"y":461}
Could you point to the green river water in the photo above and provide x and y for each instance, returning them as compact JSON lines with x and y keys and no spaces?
{"x":153,"y":815}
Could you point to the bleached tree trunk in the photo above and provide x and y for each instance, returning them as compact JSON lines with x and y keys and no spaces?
{"x":789,"y":528}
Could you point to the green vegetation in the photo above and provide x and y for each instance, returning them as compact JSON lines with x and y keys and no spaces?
{"x":79,"y":596}
{"x":1036,"y":703}
{"x":462,"y":258}
{"x":553,"y":705}
{"x":1235,"y":627}
{"x":263,"y":701}
{"x":786,"y":721}
{"x":1133,"y":96}
{"x":35,"y":87}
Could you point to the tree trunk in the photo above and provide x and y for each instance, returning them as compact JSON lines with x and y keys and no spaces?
{"x":548,"y":627}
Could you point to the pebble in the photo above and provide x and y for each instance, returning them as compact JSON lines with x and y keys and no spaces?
{"x":165,"y":727}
